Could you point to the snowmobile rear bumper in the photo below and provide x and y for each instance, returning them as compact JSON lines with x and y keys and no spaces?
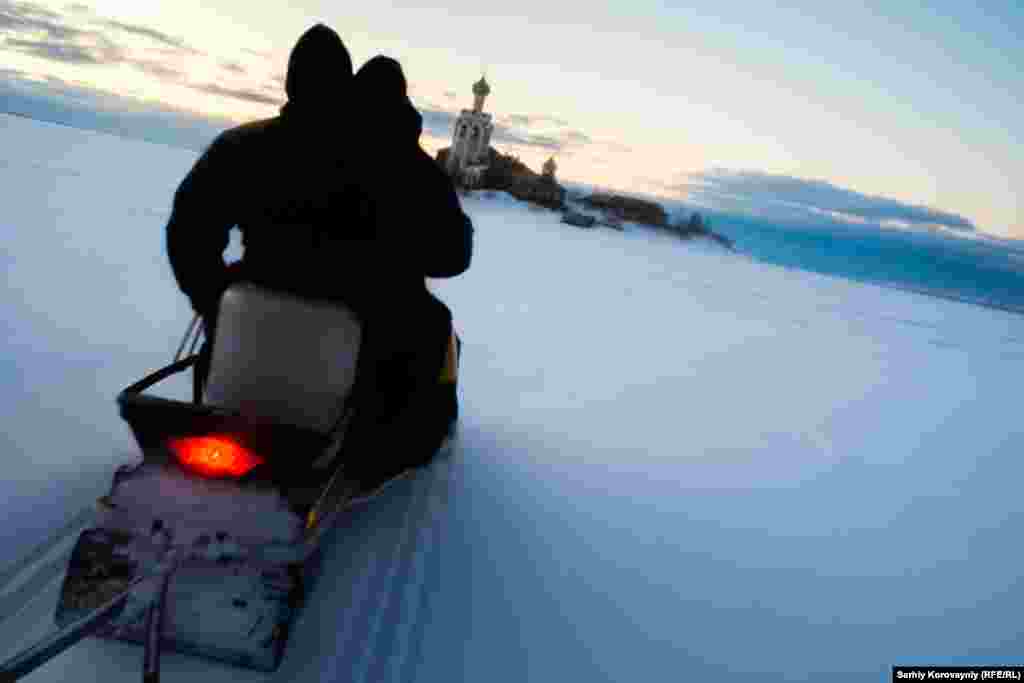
{"x":227,"y":611}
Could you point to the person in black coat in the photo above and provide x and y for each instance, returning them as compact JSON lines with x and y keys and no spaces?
{"x":316,"y":212}
{"x":397,"y":168}
{"x":298,"y":188}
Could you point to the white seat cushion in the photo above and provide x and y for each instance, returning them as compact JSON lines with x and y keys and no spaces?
{"x":283,"y":358}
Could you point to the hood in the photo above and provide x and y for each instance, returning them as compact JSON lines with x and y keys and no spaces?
{"x":382,"y":89}
{"x":319,"y":70}
{"x":382,"y":79}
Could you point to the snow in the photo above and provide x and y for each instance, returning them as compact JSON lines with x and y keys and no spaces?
{"x":674,"y":460}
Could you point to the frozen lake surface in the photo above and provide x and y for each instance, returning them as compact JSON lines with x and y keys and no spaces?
{"x":674,"y":461}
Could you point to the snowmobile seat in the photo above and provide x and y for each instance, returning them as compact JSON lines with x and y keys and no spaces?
{"x":281,"y":378}
{"x":280,"y":358}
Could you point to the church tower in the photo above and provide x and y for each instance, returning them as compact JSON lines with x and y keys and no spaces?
{"x":471,"y":138}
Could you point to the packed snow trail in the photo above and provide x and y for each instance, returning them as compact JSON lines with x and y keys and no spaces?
{"x":673,"y":459}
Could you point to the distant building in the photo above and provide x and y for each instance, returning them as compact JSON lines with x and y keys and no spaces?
{"x":472,"y":175}
{"x":473,"y":164}
{"x":549,"y":168}
{"x":471,"y":139}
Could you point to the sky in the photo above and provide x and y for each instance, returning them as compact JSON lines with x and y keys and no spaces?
{"x":898,"y":113}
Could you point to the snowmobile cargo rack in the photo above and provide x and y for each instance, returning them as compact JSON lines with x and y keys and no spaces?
{"x":154,"y":419}
{"x":189,"y":553}
{"x":211,"y":566}
{"x":279,"y":567}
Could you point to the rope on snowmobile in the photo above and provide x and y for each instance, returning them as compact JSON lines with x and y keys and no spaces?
{"x":200,"y":333}
{"x":34,"y":656}
{"x":184,"y":340}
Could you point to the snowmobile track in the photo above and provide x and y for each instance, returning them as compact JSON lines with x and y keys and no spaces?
{"x":381,"y":632}
{"x":25,"y":578}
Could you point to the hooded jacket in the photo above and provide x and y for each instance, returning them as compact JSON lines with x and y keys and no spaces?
{"x":309,"y":203}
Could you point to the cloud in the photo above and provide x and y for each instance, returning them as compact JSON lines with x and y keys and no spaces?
{"x":78,"y":36}
{"x":16,"y":14}
{"x":541,"y":131}
{"x":549,"y":134}
{"x":615,"y":146}
{"x":158,"y":69}
{"x":244,"y":94}
{"x":557,"y":141}
{"x":514,"y":137}
{"x":47,"y":98}
{"x":27,"y":17}
{"x":578,"y":138}
{"x":438,"y":122}
{"x":533,"y":120}
{"x":98,"y":52}
{"x":258,"y":53}
{"x":515,"y":119}
{"x":151,"y":34}
{"x":808,"y":201}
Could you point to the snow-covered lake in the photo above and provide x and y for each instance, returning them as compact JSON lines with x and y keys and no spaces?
{"x":675,"y":462}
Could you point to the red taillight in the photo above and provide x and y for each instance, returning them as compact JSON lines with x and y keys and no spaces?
{"x":214,"y":456}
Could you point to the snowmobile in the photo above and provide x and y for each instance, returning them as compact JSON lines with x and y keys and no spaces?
{"x":208,"y":544}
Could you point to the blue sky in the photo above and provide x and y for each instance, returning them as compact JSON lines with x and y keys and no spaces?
{"x":907,"y":104}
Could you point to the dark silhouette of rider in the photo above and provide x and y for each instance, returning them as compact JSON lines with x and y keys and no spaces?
{"x":325,"y":215}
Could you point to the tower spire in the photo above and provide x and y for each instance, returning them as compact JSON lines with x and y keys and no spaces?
{"x":481,"y":89}
{"x":469,"y":153}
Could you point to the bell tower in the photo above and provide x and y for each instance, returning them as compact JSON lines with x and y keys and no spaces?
{"x":471,"y":137}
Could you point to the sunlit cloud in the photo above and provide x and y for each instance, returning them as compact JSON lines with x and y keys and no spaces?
{"x":257,"y":53}
{"x":157,"y":65}
{"x":521,"y":130}
{"x":151,"y":34}
{"x":531,"y":121}
{"x":86,"y":40}
{"x":97,"y":51}
{"x":78,"y":36}
{"x":47,"y":98}
{"x":633,"y":133}
{"x":81,"y":37}
{"x":243,"y":94}
{"x":233,"y":67}
{"x":29,"y":17}
{"x":158,"y":69}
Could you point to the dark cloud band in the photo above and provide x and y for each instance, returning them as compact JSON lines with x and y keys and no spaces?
{"x":809,"y":200}
{"x":80,"y":37}
{"x":67,"y":52}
